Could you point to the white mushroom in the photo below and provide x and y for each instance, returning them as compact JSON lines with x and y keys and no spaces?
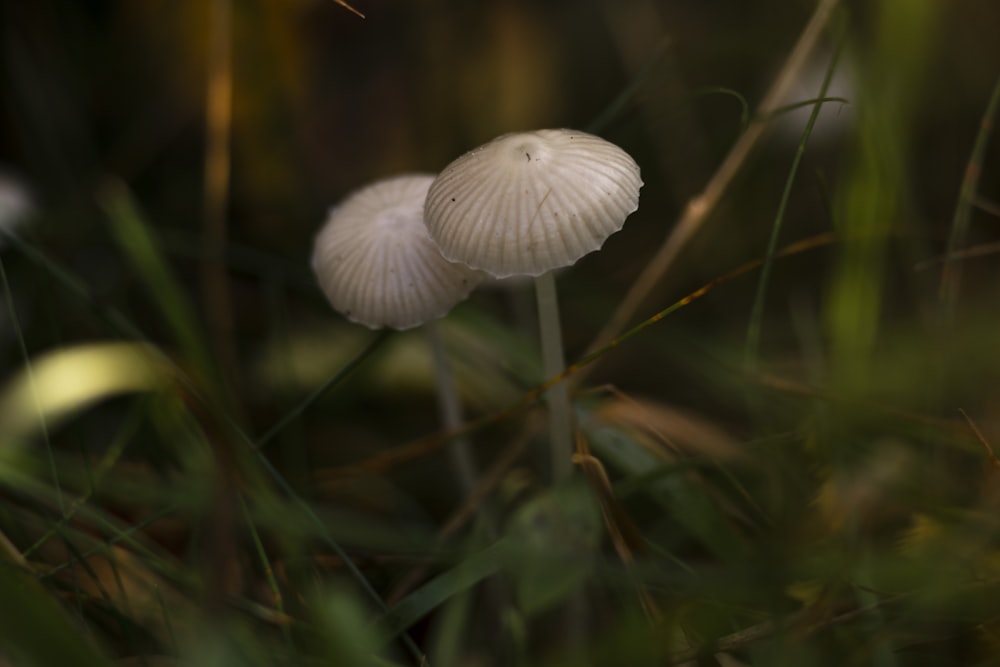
{"x":529,"y":203}
{"x":376,"y":263}
{"x":378,"y":267}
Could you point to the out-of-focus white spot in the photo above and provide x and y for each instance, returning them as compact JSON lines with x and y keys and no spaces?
{"x":835,"y":118}
{"x":16,"y":203}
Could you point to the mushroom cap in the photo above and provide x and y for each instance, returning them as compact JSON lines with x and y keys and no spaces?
{"x":530,"y":202}
{"x":376,"y":263}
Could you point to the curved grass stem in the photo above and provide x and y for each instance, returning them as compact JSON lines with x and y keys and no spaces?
{"x":751,"y":348}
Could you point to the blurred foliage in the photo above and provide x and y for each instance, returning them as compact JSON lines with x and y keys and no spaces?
{"x":834,"y":502}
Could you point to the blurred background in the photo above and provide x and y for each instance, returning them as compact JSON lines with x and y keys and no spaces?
{"x":322,"y":102}
{"x":226,"y":131}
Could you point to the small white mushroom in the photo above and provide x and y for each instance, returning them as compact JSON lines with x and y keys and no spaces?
{"x":377,"y":266}
{"x":530,"y":202}
{"x":376,"y":263}
{"x":526,"y":204}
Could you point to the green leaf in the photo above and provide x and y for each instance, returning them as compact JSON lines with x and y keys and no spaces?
{"x":34,"y":630}
{"x":346,"y":635}
{"x":553,"y":541}
{"x":137,"y":240}
{"x":677,"y":493}
{"x":431,"y":595}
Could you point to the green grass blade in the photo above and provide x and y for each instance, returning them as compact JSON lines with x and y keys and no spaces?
{"x":735,"y":94}
{"x":34,"y":630}
{"x":951,"y":276}
{"x":873,"y":196}
{"x":327,"y":538}
{"x":752,"y":346}
{"x":137,"y":240}
{"x":320,"y":391}
{"x":265,"y":563}
{"x":77,"y":288}
{"x":431,"y":595}
{"x":613,"y":110}
{"x":32,"y":389}
{"x":345,"y":633}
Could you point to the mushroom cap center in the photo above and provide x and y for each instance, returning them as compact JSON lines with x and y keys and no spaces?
{"x":525,"y":149}
{"x":397,"y":218}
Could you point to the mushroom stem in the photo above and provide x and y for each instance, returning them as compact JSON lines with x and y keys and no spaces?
{"x":554,"y":363}
{"x":459,"y":451}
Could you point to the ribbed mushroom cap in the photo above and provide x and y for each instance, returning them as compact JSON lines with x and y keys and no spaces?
{"x":529,"y":202}
{"x":376,"y":263}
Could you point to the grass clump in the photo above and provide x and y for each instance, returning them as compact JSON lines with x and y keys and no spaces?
{"x":785,"y":404}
